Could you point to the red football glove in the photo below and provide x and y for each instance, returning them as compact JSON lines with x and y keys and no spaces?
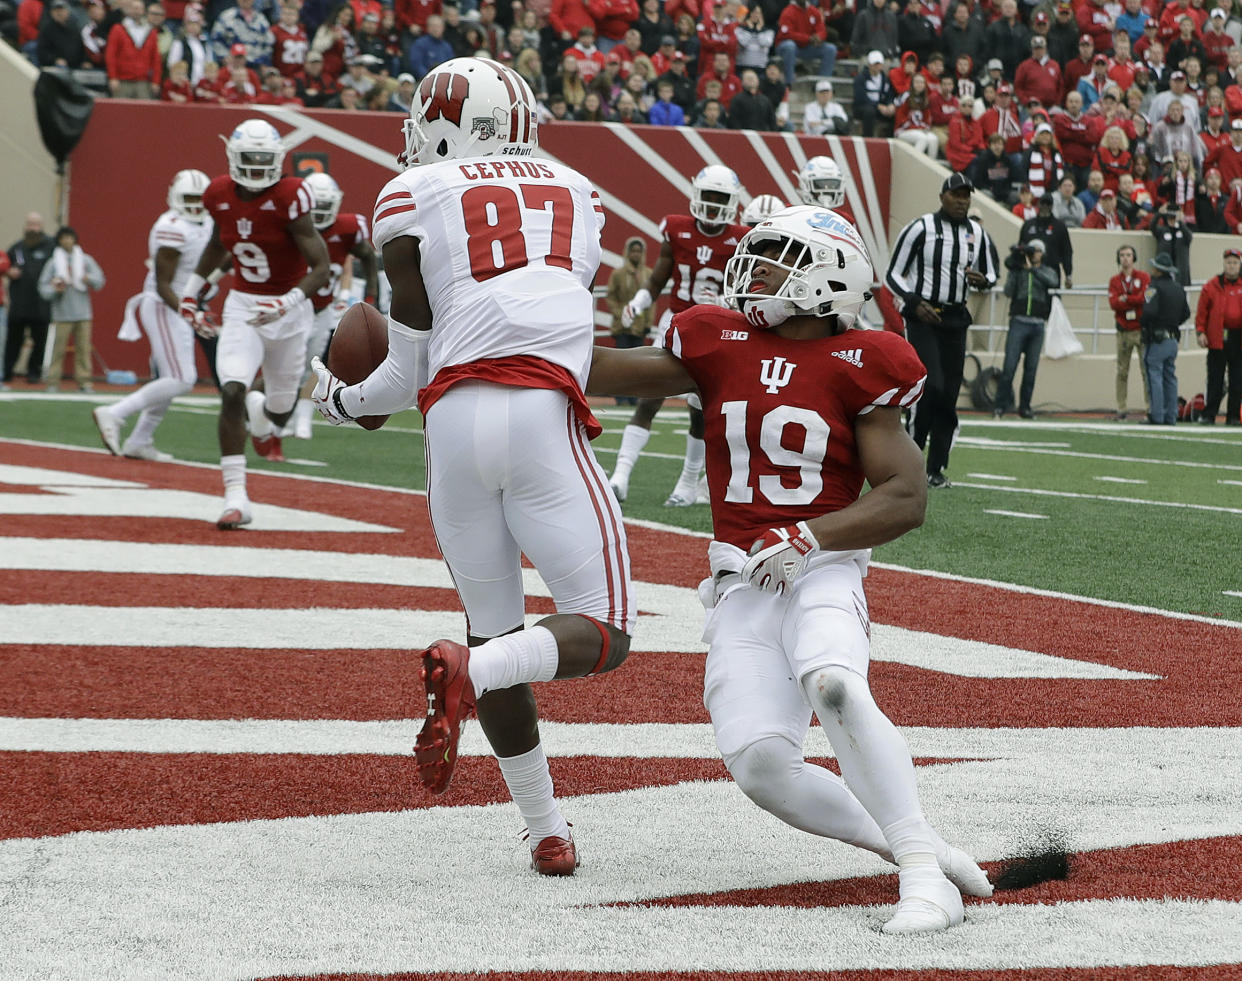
{"x":779,"y":556}
{"x":198,"y":317}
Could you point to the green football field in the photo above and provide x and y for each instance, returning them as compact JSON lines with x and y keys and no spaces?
{"x":1119,"y":512}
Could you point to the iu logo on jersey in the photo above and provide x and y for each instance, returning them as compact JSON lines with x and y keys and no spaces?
{"x":704,"y":254}
{"x":776,"y":374}
{"x":244,"y":227}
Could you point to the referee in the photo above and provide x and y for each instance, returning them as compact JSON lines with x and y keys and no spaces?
{"x":936,"y":258}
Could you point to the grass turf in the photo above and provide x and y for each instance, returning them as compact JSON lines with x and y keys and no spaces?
{"x":1116,"y":512}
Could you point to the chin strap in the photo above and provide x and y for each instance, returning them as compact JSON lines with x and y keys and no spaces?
{"x":767,"y":311}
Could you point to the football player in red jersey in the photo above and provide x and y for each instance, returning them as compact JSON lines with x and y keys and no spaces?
{"x":263,"y":222}
{"x":799,"y":410}
{"x":348,"y":237}
{"x":693,"y":252}
{"x":491,"y":253}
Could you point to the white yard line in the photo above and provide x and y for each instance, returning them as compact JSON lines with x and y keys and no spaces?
{"x":1015,"y":514}
{"x":1182,"y":505}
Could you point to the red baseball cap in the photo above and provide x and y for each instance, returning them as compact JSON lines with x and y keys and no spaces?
{"x":1108,"y":192}
{"x":1100,"y":59}
{"x":1040,"y":18}
{"x":1236,"y":253}
{"x":238,"y":50}
{"x":1085,"y":39}
{"x":1212,"y":170}
{"x":1004,"y":89}
{"x":1215,"y":111}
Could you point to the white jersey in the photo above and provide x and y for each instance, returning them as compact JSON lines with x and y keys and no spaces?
{"x":173,"y":231}
{"x":509,"y":249}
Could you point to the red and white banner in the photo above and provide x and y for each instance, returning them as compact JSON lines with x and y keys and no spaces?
{"x":205,"y":765}
{"x":121,"y":170}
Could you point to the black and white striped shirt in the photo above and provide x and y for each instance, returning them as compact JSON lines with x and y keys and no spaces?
{"x":932,"y":255}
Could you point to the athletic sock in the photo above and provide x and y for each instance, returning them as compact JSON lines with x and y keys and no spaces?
{"x":912,"y":842}
{"x":161,"y":390}
{"x":260,"y":424}
{"x":632,"y":442}
{"x":144,"y":429}
{"x":530,"y":785}
{"x":514,"y":659}
{"x":692,"y":466}
{"x":233,"y":469}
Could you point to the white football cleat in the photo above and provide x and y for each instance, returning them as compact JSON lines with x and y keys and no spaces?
{"x":146,"y":451}
{"x":929,"y":903}
{"x":236,"y":513}
{"x":620,"y":489}
{"x":109,"y":429}
{"x":682,"y":497}
{"x":962,"y":870}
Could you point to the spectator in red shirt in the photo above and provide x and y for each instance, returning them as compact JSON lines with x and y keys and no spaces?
{"x":1123,"y":66}
{"x":1127,"y":292}
{"x":239,"y":89}
{"x":1076,"y":68}
{"x":965,"y":136}
{"x":316,"y":88}
{"x":1025,"y":208}
{"x":717,"y":33}
{"x":1113,"y":157}
{"x":1104,"y":215}
{"x":1216,"y":41}
{"x":1228,"y":158}
{"x":290,"y":43}
{"x":730,"y":84}
{"x":177,"y":87}
{"x":133,"y":56}
{"x":1002,"y":118}
{"x":1093,"y":19}
{"x":1170,"y":17}
{"x":568,"y":17}
{"x":901,"y":73}
{"x":29,"y":17}
{"x":1076,"y":133}
{"x":802,"y":36}
{"x":1214,"y":134}
{"x":590,"y":58}
{"x":1039,"y":77}
{"x":207,"y":88}
{"x":612,"y":20}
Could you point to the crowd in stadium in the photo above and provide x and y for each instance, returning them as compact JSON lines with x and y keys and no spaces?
{"x":1138,"y":103}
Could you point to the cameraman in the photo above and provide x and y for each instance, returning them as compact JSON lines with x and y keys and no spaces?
{"x":1173,"y":237}
{"x":1029,"y":287}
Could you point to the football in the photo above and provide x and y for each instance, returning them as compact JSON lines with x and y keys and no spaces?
{"x":358,"y":347}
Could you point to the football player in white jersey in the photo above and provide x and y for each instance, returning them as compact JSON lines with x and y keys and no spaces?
{"x":175,"y":242}
{"x":788,"y":451}
{"x":491,"y":254}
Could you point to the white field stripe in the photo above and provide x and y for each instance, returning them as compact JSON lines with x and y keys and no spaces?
{"x":1230,"y":592}
{"x":1103,"y":497}
{"x":338,"y":138}
{"x":873,"y":201}
{"x":703,"y":148}
{"x":788,"y":191}
{"x":1014,"y":514}
{"x":864,"y":220}
{"x":644,"y":740}
{"x":41,"y":477}
{"x":979,"y":444}
{"x":614,"y":204}
{"x":654,"y":160}
{"x":990,"y":476}
{"x":1231,"y":483}
{"x":1119,"y":480}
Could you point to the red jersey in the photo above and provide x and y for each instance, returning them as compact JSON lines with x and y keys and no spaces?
{"x":256,"y":232}
{"x":340,"y":237}
{"x":698,"y":259}
{"x":289,"y":49}
{"x":779,"y":414}
{"x":1126,"y":295}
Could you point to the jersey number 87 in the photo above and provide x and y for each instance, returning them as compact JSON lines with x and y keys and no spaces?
{"x":494,"y":218}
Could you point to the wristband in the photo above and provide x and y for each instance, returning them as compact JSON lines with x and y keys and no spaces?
{"x":215,"y":276}
{"x":295,"y":296}
{"x":195,"y":285}
{"x":336,"y":403}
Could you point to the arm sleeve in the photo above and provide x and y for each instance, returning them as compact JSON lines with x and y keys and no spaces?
{"x":394,"y":385}
{"x":903,"y":254}
{"x":987,"y":262}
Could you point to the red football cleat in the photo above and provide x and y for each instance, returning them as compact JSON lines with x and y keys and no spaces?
{"x":450,"y":699}
{"x":555,"y":856}
{"x":269,"y":448}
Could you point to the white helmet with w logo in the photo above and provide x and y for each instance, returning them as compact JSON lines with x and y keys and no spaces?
{"x":185,"y":195}
{"x":470,"y":107}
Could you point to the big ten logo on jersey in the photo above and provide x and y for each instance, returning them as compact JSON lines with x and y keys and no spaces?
{"x":734,"y":335}
{"x":775,"y":374}
{"x":835,"y":226}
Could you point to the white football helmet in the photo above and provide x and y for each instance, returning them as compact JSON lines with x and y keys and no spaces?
{"x":820,"y":182}
{"x":471,"y":107}
{"x":827,"y":266}
{"x":185,"y":195}
{"x":764,"y":206}
{"x":255,"y":154}
{"x":721,"y":180}
{"x":328,"y":195}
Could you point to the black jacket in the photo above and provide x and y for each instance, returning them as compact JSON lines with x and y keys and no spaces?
{"x":24,"y":299}
{"x":683,"y":90}
{"x":1175,"y":240}
{"x":1028,"y":289}
{"x":992,"y":174}
{"x":1165,"y":311}
{"x":1210,"y":218}
{"x":1011,"y":43}
{"x":60,"y":41}
{"x":748,"y":111}
{"x":1058,"y":249}
{"x":956,"y":41}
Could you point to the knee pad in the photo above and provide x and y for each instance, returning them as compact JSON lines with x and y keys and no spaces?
{"x":834,"y":689}
{"x":763,"y":768}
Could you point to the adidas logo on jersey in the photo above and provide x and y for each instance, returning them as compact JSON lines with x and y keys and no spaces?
{"x":854,"y":357}
{"x":268,"y":206}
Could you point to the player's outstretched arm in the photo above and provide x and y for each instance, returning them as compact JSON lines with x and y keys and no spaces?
{"x":648,"y":372}
{"x":897,"y":496}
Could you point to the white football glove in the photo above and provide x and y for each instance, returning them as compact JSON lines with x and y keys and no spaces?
{"x":635,"y":308}
{"x":274,"y":307}
{"x":779,"y":556}
{"x":327,"y":394}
